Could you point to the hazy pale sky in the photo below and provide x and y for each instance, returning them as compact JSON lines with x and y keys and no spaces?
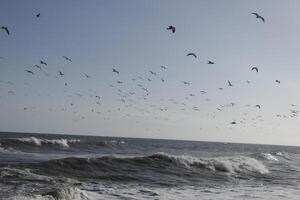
{"x":131,"y":36}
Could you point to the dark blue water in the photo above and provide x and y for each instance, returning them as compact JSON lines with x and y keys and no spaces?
{"x":40,"y":166}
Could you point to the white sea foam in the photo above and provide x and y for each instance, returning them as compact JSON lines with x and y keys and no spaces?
{"x":234,"y":164}
{"x":39,"y":142}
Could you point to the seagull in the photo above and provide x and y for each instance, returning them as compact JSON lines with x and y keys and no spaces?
{"x":115,"y":71}
{"x":186,"y":83}
{"x":163,"y":67}
{"x":86,"y":75}
{"x":149,"y":79}
{"x":5,"y":29}
{"x":30,"y":72}
{"x":162,"y":80}
{"x":172,"y":28}
{"x":229,"y":83}
{"x":210,"y":62}
{"x":254,"y":68}
{"x":38,"y":15}
{"x":258,"y":16}
{"x":60,"y":73}
{"x":277,"y":81}
{"x":120,"y":82}
{"x":153,"y":73}
{"x":233,"y":122}
{"x":68,"y":59}
{"x":257,"y":106}
{"x":43,"y":63}
{"x":191,"y":54}
{"x":248,"y":81}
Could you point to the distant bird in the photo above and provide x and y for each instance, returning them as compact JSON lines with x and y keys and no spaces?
{"x":120,"y":82}
{"x":293,"y":105}
{"x":277,"y":81}
{"x":203,"y":92}
{"x":38,"y":15}
{"x":163,"y":67}
{"x":220,"y":88}
{"x":67,"y":59}
{"x":258,"y":16}
{"x":115,"y":71}
{"x":233,"y":122}
{"x":248,"y":81}
{"x":258,"y":106}
{"x":172,"y":28}
{"x":30,"y":72}
{"x":186,"y":83}
{"x":210,"y":62}
{"x":5,"y":29}
{"x":153,"y":73}
{"x":86,"y":75}
{"x":149,"y":79}
{"x":230,"y":84}
{"x":60,"y":73}
{"x":254,"y":68}
{"x":192,"y":54}
{"x":66,"y":84}
{"x":43,"y":62}
{"x":162,"y":80}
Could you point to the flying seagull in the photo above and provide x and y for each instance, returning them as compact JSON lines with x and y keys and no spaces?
{"x":186,"y":83}
{"x":257,"y":106}
{"x":277,"y":81}
{"x":115,"y":71}
{"x":86,"y":75}
{"x":43,"y":63}
{"x":191,"y":54}
{"x":153,"y":73}
{"x":259,"y":17}
{"x":233,"y":122}
{"x":60,"y":73}
{"x":5,"y":29}
{"x":38,"y":15}
{"x":68,"y":59}
{"x":229,"y":83}
{"x":163,"y":67}
{"x":30,"y":72}
{"x":254,"y":68}
{"x":210,"y":62}
{"x":172,"y":28}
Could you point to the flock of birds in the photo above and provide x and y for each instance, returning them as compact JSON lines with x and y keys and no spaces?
{"x":130,"y":98}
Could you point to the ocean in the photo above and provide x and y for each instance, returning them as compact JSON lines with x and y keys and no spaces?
{"x":69,"y":167}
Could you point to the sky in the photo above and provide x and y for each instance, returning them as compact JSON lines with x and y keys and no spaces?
{"x":131,"y":37}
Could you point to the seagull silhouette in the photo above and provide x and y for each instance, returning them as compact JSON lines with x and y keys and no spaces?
{"x":186,"y":83}
{"x":258,"y":106}
{"x":38,"y":15}
{"x":210,"y":62}
{"x":115,"y":71}
{"x":68,"y":59}
{"x":172,"y":28}
{"x":277,"y":81}
{"x":30,"y":72}
{"x":254,"y":68}
{"x":153,"y":73}
{"x":60,"y":73}
{"x":86,"y":75}
{"x":192,"y":54}
{"x":5,"y":29}
{"x":43,"y":63}
{"x":163,"y":67}
{"x":259,"y":17}
{"x":230,"y":84}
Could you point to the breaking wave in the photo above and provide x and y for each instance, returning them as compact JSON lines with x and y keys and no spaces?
{"x":153,"y":167}
{"x":20,"y":143}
